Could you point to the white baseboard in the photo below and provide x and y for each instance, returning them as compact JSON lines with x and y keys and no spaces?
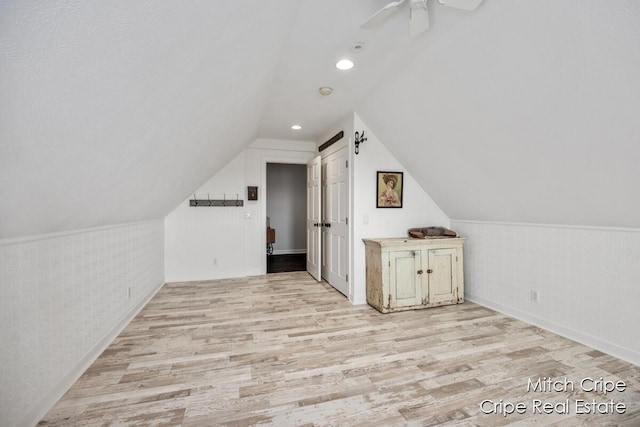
{"x":597,"y":343}
{"x":289,"y":251}
{"x":52,"y":397}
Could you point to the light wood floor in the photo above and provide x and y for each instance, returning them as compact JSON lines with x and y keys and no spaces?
{"x":285,"y":350}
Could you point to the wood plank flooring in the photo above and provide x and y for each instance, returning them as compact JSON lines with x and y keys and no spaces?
{"x":284,"y":350}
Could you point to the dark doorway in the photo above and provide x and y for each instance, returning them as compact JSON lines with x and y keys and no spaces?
{"x":286,"y":195}
{"x":287,"y":262}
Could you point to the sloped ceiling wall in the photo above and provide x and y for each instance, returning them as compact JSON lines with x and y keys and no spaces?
{"x":520,"y":111}
{"x":525,"y":112}
{"x":114,"y":112}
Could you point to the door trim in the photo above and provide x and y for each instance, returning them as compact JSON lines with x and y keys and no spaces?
{"x":262,"y":196}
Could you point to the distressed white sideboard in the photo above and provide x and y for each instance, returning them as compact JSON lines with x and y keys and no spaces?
{"x":408,"y":273}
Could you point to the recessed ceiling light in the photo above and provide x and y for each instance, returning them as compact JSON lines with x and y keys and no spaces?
{"x":296,"y":127}
{"x":344,"y":64}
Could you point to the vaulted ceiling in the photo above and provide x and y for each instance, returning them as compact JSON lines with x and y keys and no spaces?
{"x":520,"y":111}
{"x":526,"y":112}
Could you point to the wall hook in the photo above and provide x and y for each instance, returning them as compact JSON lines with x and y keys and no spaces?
{"x":359,"y":140}
{"x":195,"y":202}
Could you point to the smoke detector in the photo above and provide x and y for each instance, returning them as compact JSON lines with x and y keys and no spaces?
{"x":325,"y":91}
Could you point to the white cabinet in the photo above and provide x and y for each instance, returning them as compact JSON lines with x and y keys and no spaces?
{"x":407,"y":273}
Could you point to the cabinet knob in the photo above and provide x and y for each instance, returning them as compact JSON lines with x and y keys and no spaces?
{"x":429,"y":271}
{"x":420,"y":272}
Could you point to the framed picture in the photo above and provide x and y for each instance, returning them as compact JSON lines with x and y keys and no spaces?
{"x":389,"y":185}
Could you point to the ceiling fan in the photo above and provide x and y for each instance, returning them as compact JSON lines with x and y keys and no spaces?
{"x":418,"y":13}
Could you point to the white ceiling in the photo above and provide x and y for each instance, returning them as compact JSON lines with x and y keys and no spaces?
{"x":321,"y":34}
{"x":115,"y":112}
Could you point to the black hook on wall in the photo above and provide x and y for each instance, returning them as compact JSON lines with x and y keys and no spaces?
{"x":359,"y":140}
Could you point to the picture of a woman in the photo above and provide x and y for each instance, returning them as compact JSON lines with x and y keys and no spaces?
{"x":389,"y":190}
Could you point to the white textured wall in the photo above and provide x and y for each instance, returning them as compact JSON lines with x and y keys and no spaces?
{"x":287,"y":206}
{"x":133,"y":101}
{"x":523,"y":111}
{"x":234,"y":236}
{"x":63,"y":298}
{"x":587,"y":278}
{"x":418,"y":209}
{"x":207,"y":242}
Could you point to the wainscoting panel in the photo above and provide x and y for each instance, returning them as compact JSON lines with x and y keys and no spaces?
{"x":586,"y":279}
{"x":63,"y":297}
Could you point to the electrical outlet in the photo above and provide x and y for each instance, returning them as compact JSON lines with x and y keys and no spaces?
{"x":535,"y":296}
{"x":215,"y":261}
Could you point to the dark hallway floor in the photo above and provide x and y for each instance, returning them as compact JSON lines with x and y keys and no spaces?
{"x":286,"y":263}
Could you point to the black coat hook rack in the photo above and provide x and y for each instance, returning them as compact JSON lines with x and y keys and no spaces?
{"x":195,"y":202}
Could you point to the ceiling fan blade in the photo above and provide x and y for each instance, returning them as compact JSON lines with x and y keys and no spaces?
{"x":382,"y":14}
{"x":418,"y":21}
{"x":461,"y":4}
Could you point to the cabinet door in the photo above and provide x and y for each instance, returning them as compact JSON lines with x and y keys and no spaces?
{"x":443,"y":280}
{"x":405,"y":285}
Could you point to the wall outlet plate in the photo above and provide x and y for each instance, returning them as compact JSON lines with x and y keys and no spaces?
{"x":535,"y":296}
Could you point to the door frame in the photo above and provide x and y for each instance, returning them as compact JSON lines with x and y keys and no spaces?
{"x":262,"y":196}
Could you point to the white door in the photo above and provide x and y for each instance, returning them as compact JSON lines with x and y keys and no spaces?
{"x":335,"y":183}
{"x":314,"y":206}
